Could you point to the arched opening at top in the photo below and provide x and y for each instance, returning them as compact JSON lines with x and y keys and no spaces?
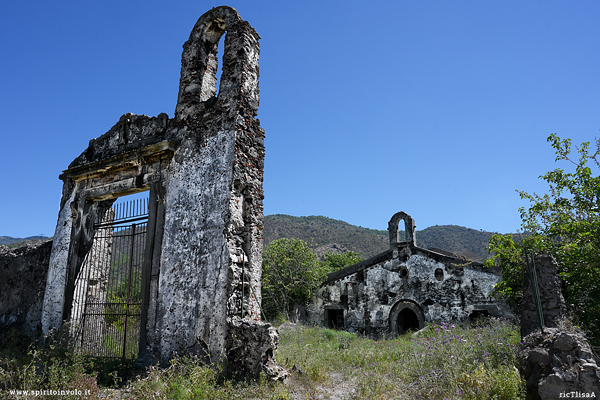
{"x":214,"y":35}
{"x":215,"y":32}
{"x":218,"y":33}
{"x":200,"y":73}
{"x":220,"y":53}
{"x":409,"y":230}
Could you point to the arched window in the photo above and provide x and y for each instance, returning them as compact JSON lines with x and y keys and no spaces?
{"x":409,"y":230}
{"x":200,"y":66}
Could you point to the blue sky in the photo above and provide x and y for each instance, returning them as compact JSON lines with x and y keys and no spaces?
{"x":440,"y":109}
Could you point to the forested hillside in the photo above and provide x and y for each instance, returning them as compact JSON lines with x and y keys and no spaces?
{"x":329,"y":234}
{"x":13,"y":242}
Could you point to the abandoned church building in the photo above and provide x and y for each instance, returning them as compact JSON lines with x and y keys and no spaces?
{"x":403,"y":287}
{"x":180,"y":269}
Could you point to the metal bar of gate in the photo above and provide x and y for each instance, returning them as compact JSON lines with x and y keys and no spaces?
{"x":85,"y":303}
{"x":102,"y":336}
{"x":128,"y":299}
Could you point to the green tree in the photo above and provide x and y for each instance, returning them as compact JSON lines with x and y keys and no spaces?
{"x":565,"y":223}
{"x":291,"y":273}
{"x":333,"y":262}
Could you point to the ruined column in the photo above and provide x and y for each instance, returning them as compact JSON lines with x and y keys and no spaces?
{"x":553,"y":302}
{"x":559,"y":359}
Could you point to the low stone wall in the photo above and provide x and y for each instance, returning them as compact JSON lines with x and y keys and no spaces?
{"x":23,"y":272}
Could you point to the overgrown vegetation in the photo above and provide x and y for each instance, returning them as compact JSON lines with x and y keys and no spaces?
{"x":27,"y":364}
{"x":444,"y":361}
{"x":292,"y":272}
{"x":566,"y":224}
{"x":333,"y":261}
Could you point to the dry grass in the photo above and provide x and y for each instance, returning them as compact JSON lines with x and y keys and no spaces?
{"x":443,"y":362}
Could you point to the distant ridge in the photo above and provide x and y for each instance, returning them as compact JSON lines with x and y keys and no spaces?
{"x":325,"y":233}
{"x":8,"y":240}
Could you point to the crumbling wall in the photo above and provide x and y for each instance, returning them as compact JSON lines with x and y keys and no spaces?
{"x":213,"y":201}
{"x":558,"y":359}
{"x":442,"y":292}
{"x":554,"y":307}
{"x":23,"y":273}
{"x":251,"y":346}
{"x":204,"y":170}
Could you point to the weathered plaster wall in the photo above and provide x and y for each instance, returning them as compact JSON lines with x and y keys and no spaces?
{"x":54,"y":293}
{"x":437,"y":287}
{"x":213,"y":219}
{"x":23,"y":273}
{"x":204,"y":168}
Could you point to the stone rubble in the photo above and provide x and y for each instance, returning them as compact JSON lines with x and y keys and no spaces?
{"x":559,"y":359}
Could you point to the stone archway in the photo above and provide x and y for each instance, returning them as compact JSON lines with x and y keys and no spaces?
{"x":204,"y":171}
{"x":406,"y":315}
{"x":409,"y":229}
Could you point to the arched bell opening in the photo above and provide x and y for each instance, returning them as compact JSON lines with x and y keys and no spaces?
{"x":409,"y":230}
{"x":203,"y":84}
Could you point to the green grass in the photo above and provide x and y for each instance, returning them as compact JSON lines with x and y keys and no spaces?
{"x":446,"y":361}
{"x":443,"y":362}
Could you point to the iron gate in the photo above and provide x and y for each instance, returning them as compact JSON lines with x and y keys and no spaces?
{"x":107,"y":300}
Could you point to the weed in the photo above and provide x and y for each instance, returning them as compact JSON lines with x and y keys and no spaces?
{"x":444,"y":361}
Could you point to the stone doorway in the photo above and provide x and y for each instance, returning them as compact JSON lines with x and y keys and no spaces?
{"x":406,"y":315}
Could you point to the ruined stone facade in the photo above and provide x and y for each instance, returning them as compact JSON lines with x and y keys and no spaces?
{"x":403,"y":288}
{"x":203,"y":170}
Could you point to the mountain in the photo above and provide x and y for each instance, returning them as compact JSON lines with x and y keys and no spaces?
{"x":13,"y":242}
{"x":466,"y":242}
{"x":325,"y":234}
